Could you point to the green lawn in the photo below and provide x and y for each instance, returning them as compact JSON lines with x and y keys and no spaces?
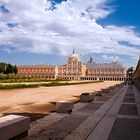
{"x":10,"y":80}
{"x":53,"y":83}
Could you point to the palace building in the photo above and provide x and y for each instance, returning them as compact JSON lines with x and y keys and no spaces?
{"x":105,"y":71}
{"x":38,"y":71}
{"x":75,"y":69}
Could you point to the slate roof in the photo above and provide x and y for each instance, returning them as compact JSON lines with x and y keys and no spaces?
{"x":104,"y":65}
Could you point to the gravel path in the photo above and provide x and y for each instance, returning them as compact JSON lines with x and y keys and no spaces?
{"x":42,"y":100}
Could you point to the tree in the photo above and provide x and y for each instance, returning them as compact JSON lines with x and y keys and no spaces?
{"x":2,"y":67}
{"x":9,"y":69}
{"x":15,"y":70}
{"x":130,"y":72}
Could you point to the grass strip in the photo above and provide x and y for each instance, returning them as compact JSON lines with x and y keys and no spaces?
{"x":54,"y":83}
{"x":28,"y":80}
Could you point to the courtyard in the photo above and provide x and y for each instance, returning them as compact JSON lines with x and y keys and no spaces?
{"x":41,"y":101}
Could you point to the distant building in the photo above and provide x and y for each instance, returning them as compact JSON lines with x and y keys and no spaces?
{"x":75,"y":69}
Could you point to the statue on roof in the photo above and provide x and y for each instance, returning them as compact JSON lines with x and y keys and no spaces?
{"x":73,"y":51}
{"x":91,"y":60}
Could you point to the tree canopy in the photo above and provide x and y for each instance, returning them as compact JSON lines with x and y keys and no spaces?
{"x":7,"y":68}
{"x":130,"y":72}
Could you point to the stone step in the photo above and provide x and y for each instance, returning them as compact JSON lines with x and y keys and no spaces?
{"x":85,"y":128}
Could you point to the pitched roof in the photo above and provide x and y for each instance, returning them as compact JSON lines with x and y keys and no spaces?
{"x":104,"y":65}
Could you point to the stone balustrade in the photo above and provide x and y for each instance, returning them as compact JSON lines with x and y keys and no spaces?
{"x":14,"y":127}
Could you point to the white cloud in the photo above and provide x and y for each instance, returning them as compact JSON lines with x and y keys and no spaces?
{"x":71,"y":25}
{"x":111,"y":58}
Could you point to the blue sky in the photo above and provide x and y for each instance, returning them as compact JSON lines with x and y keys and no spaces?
{"x":45,"y":32}
{"x":126,"y":14}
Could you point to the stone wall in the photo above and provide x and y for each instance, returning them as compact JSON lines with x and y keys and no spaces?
{"x":137,"y":82}
{"x":136,"y":76}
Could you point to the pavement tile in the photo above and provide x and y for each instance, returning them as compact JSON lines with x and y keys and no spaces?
{"x":129,"y":100}
{"x":125,"y":129}
{"x":128,"y":109}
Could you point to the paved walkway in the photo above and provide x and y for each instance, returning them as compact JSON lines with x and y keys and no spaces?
{"x":114,"y":116}
{"x":121,"y":122}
